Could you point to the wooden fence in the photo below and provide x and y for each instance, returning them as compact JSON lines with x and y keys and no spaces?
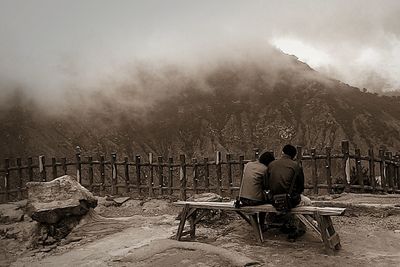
{"x":325,"y":172}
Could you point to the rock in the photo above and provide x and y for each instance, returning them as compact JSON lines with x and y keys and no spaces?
{"x":21,"y":204}
{"x":206,"y":197}
{"x":155,"y":206}
{"x":48,"y":248}
{"x":397,"y":231}
{"x":134,"y":203}
{"x":50,"y":241}
{"x":70,"y":239}
{"x":121,"y":200}
{"x":11,"y":213}
{"x":49,"y":202}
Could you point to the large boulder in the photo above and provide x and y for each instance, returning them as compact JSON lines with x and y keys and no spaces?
{"x":49,"y":202}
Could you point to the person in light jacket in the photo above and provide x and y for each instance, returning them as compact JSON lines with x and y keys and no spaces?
{"x":254,"y":182}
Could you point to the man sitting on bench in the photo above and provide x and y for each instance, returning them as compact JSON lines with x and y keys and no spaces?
{"x":281,"y":174}
{"x":254,"y":182}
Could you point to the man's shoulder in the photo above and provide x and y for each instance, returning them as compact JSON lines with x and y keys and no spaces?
{"x":284,"y":162}
{"x":256,"y":164}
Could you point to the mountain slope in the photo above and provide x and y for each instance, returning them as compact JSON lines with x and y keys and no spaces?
{"x":235,"y":106}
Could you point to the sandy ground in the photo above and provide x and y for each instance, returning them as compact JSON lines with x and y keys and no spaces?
{"x":369,"y":237}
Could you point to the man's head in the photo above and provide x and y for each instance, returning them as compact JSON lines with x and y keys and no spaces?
{"x":289,"y":150}
{"x":266,"y":157}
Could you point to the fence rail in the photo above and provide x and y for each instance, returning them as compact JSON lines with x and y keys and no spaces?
{"x":325,"y":173}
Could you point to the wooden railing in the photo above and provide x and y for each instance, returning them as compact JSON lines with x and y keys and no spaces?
{"x":325,"y":172}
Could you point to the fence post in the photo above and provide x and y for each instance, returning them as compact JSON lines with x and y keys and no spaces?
{"x":90,"y":172}
{"x":390,"y":170}
{"x":328,"y":169}
{"x":219,"y":172}
{"x":195,"y":178}
{"x":160,"y":175}
{"x":382,"y":167}
{"x":30,"y":169}
{"x":346,"y":164}
{"x":102,"y":175}
{"x":138,"y":173}
{"x":230,"y":178}
{"x":371,"y":166}
{"x":182,"y":176}
{"x":241,"y":167}
{"x":126,"y":174}
{"x":170,"y":176}
{"x":42,"y":168}
{"x":151,"y":175}
{"x":360,"y":179}
{"x":206,"y":175}
{"x":64,"y":165}
{"x":314,"y":171}
{"x":7,"y":179}
{"x":397,"y":158}
{"x":78,"y":167}
{"x":299,"y":155}
{"x":114,"y":175}
{"x":54,"y":168}
{"x":19,"y":170}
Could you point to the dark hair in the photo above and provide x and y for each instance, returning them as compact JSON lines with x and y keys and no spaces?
{"x":290,"y":150}
{"x":266,"y":158}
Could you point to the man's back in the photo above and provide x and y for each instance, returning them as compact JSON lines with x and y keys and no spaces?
{"x":281,"y":173}
{"x":254,"y":179}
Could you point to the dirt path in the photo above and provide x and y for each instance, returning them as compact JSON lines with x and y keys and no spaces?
{"x":368,"y":239}
{"x":133,"y":232}
{"x":137,"y":245}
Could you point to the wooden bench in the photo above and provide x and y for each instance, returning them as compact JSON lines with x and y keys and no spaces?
{"x":316,"y":218}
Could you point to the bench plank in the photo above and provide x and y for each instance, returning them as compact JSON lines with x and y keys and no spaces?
{"x":309,"y":210}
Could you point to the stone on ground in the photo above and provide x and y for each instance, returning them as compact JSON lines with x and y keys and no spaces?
{"x":49,"y":202}
{"x":11,"y":213}
{"x":155,"y":206}
{"x":121,"y":200}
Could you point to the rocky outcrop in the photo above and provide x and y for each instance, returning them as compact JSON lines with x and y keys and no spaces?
{"x":49,"y":202}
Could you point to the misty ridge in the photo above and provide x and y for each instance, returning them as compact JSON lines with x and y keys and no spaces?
{"x":227,"y":102}
{"x":142,"y":84}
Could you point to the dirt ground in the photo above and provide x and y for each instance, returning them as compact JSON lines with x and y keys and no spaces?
{"x":138,"y":233}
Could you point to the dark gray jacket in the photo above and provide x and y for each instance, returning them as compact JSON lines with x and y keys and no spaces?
{"x":281,"y":172}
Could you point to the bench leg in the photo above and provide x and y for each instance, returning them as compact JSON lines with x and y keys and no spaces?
{"x":255,"y":222}
{"x":192,"y":221}
{"x":334,"y":239}
{"x":202,"y":214}
{"x":244,"y":216}
{"x":182,"y":222}
{"x":307,"y":221}
{"x":329,"y":236}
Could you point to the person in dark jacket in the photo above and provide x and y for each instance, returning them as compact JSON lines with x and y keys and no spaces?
{"x":283,"y":171}
{"x":281,"y":174}
{"x":254,"y":182}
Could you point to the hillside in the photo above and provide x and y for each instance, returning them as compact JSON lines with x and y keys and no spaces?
{"x":235,"y":105}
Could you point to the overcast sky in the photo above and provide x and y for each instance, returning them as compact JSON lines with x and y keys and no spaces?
{"x":47,"y":46}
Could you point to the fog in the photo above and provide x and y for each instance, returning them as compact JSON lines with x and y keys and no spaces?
{"x":50,"y":49}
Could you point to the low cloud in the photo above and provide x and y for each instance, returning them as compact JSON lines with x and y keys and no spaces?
{"x":53,"y":49}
